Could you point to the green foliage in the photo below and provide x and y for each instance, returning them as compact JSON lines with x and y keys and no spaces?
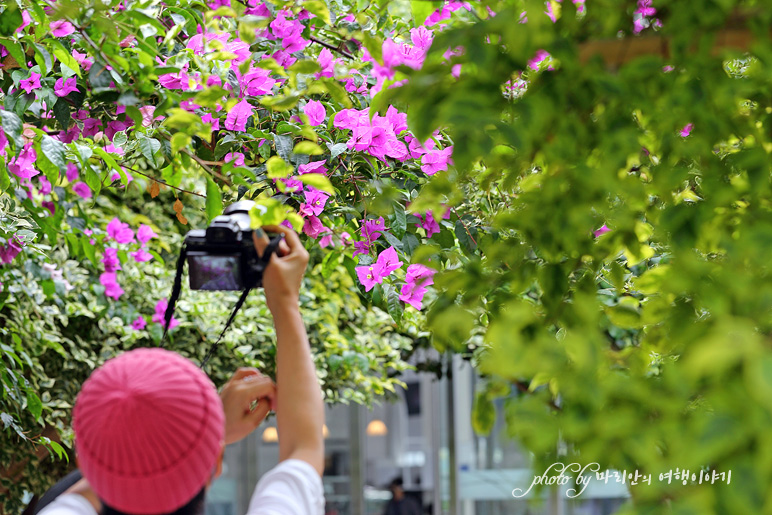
{"x":646,"y":347}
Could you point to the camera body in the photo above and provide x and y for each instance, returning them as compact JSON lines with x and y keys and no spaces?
{"x":223,"y":256}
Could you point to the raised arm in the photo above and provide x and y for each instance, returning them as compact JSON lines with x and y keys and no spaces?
{"x":299,"y":405}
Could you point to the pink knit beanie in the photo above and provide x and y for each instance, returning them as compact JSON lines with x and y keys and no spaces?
{"x":149,"y":427}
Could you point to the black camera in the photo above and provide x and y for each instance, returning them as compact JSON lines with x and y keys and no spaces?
{"x":223,"y":256}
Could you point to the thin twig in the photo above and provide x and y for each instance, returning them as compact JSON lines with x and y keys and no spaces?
{"x":207,"y":168}
{"x":163,"y":182}
{"x":332,"y":47}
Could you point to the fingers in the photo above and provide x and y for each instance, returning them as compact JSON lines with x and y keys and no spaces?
{"x":283,"y":249}
{"x":260,"y":240}
{"x":290,"y":236}
{"x":243,"y":372}
{"x":255,"y":417}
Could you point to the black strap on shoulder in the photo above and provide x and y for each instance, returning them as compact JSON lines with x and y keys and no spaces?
{"x":262,"y":263}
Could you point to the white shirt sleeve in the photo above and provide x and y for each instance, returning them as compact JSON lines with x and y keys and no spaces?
{"x":293,"y":487}
{"x":69,"y":504}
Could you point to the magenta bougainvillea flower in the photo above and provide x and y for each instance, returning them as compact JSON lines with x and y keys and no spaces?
{"x":603,"y":230}
{"x":315,"y":112}
{"x":145,"y":234}
{"x":72,"y":172}
{"x":540,"y":57}
{"x":236,"y":157}
{"x":45,"y":186}
{"x":30,"y":84}
{"x":436,"y":160}
{"x":82,"y":190}
{"x":313,"y":167}
{"x":160,"y":311}
{"x":120,"y":232}
{"x":687,"y":130}
{"x":22,"y":166}
{"x":112,"y":289}
{"x":429,"y":224}
{"x":141,"y":255}
{"x":10,"y":250}
{"x":315,"y":202}
{"x":418,"y":277}
{"x":110,"y":260}
{"x":139,"y":323}
{"x":257,"y":82}
{"x":61,"y":28}
{"x":313,"y":227}
{"x":64,"y":87}
{"x":387,"y":262}
{"x":238,"y":116}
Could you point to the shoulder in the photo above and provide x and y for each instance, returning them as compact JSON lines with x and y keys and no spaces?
{"x":69,"y":504}
{"x":291,"y":487}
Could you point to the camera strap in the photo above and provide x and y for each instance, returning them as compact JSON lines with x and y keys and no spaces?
{"x":262,"y":263}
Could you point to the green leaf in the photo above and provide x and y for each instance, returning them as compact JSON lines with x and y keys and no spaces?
{"x":16,"y":51}
{"x":329,"y":263}
{"x":148,"y":147}
{"x":11,"y":19}
{"x":5,"y":180}
{"x":59,"y":450}
{"x":65,"y":57}
{"x":308,"y":148}
{"x":400,"y":222}
{"x":98,"y":76}
{"x":112,"y":164}
{"x":12,"y":126}
{"x":62,"y":113}
{"x":393,"y":304}
{"x":271,"y":64}
{"x":319,"y":9}
{"x":44,"y":60}
{"x":210,"y":96}
{"x":337,"y":149}
{"x":280,"y":103}
{"x":626,"y":314}
{"x":34,"y":406}
{"x":336,"y":91}
{"x":90,"y":252}
{"x":467,"y":235}
{"x":422,"y":9}
{"x":283,"y":146}
{"x":483,"y":414}
{"x":213,"y":199}
{"x":306,"y":66}
{"x":278,"y":168}
{"x":393,"y":241}
{"x":179,"y":141}
{"x":318,"y":181}
{"x":54,"y":151}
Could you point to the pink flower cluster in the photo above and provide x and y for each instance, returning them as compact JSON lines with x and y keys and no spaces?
{"x":417,"y":279}
{"x":122,"y":234}
{"x":371,"y":230}
{"x":642,"y":16}
{"x":387,"y":262}
{"x":400,"y":54}
{"x":430,"y":224}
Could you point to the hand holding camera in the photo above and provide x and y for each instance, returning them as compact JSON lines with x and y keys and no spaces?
{"x":284,"y":275}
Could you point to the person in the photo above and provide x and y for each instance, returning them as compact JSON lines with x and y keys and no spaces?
{"x":401,"y":504}
{"x":150,"y":428}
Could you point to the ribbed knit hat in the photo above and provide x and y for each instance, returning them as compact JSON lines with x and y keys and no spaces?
{"x":149,"y":428}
